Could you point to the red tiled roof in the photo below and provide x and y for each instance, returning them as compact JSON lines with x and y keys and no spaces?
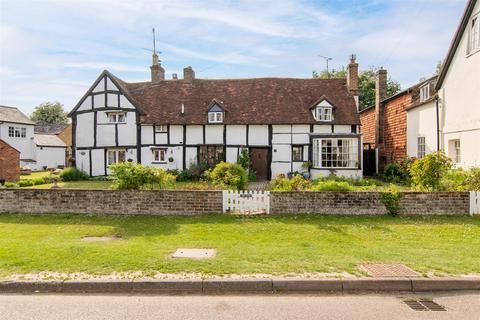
{"x":246,"y":101}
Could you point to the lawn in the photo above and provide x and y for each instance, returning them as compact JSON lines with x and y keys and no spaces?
{"x":272,"y":245}
{"x":36,"y":174}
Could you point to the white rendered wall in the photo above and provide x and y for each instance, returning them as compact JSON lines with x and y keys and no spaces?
{"x":460,"y":101}
{"x":84,"y":130}
{"x":236,"y":135}
{"x":50,"y":157}
{"x":24,"y":145}
{"x":194,"y":135}
{"x":258,"y":135}
{"x":422,"y":122}
{"x":213,"y":134}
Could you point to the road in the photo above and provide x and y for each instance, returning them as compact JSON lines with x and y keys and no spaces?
{"x":358,"y":307}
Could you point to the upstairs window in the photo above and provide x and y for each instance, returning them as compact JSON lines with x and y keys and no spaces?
{"x":117,"y":117}
{"x":161,"y":128}
{"x":474,"y":35}
{"x":323,"y":114}
{"x":425,"y":92}
{"x":17,"y":132}
{"x":215,"y":117}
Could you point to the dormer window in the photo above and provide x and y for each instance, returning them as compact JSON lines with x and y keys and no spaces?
{"x":215,"y":113}
{"x":322,"y":110}
{"x":425,"y":92}
{"x":116,"y":117}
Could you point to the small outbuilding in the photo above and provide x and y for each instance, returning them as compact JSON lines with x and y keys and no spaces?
{"x":50,"y":151}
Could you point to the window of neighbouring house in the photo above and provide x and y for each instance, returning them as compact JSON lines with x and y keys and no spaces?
{"x":159,"y":155}
{"x":457,"y":152}
{"x":474,"y":34}
{"x":425,"y":92}
{"x":115,"y":156}
{"x":116,"y":117}
{"x":335,"y":153}
{"x":17,"y":132}
{"x":211,"y":154}
{"x":297,"y":153}
{"x":161,"y":128}
{"x":421,"y":147}
{"x":215,"y":117}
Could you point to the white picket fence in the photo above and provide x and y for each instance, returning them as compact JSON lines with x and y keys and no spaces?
{"x":474,"y":202}
{"x":246,"y":202}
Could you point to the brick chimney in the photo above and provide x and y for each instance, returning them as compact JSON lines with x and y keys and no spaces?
{"x":157,"y":71}
{"x":380,"y":95}
{"x":174,"y":76}
{"x":188,"y":74}
{"x":352,"y":78}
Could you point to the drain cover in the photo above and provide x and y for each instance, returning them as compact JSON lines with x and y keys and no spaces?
{"x":384,"y":270}
{"x":194,"y":253}
{"x":423,"y":305}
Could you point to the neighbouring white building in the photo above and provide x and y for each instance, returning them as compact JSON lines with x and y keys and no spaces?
{"x":172,"y":124}
{"x":458,"y":89}
{"x":36,"y":151}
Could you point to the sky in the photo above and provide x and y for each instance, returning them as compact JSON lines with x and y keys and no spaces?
{"x":54,"y":50}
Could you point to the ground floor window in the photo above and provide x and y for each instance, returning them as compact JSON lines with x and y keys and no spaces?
{"x":297,"y":153}
{"x":335,"y":153}
{"x":115,"y":156}
{"x":420,"y":147}
{"x":211,"y":154}
{"x":159,"y":155}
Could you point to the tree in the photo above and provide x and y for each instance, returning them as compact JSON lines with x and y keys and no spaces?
{"x":366,"y":84}
{"x":49,"y":112}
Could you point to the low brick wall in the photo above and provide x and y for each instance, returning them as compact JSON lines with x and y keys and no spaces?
{"x":192,"y":202}
{"x":164,"y":202}
{"x":369,"y":203}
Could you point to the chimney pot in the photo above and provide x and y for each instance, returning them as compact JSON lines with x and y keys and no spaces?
{"x":156,"y":70}
{"x":174,"y":76}
{"x":188,"y":74}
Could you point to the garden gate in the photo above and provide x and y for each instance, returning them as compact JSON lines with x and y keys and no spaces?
{"x":474,"y":202}
{"x":246,"y":202}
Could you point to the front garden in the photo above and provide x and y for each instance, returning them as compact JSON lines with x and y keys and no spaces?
{"x":269,"y":245}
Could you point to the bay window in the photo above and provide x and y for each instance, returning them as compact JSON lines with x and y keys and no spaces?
{"x":335,"y":153}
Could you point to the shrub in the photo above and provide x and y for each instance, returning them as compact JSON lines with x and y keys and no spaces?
{"x":244,"y":159}
{"x":73,"y":174}
{"x":196,"y":186}
{"x":454,"y":180}
{"x":10,"y":185}
{"x":40,"y":180}
{"x":391,"y":200}
{"x":184,"y":175}
{"x":473,"y":179}
{"x":25,"y":183}
{"x":228,"y":176}
{"x":129,"y":175}
{"x":297,"y":183}
{"x":332,"y":185}
{"x":427,"y":173}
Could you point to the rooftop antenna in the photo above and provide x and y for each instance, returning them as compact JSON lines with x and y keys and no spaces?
{"x":326,"y":61}
{"x":154,"y":48}
{"x":155,"y":59}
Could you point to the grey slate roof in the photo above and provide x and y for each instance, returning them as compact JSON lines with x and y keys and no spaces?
{"x":48,"y":140}
{"x":48,"y":128}
{"x":12,"y":114}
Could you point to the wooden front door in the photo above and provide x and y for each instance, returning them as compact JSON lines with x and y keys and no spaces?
{"x":259,"y":159}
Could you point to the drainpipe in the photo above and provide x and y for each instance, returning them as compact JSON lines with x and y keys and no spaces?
{"x":438,"y":123}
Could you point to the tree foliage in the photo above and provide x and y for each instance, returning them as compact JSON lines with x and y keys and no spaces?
{"x":427,"y":173}
{"x":49,"y":112}
{"x":366,"y":84}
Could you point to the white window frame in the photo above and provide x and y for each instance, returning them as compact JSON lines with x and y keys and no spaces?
{"x":323,"y":113}
{"x":116,"y":153}
{"x":474,"y":35}
{"x":159,"y":155}
{"x":457,"y":151}
{"x":425,"y":92}
{"x":335,"y":156}
{"x":215,"y":117}
{"x":17,"y":132}
{"x":161,"y":128}
{"x":114,"y":117}
{"x":421,"y":147}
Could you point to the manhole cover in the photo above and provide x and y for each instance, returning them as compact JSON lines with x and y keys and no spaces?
{"x":384,"y":270}
{"x":100,"y":238}
{"x":194,"y":253}
{"x":423,"y":305}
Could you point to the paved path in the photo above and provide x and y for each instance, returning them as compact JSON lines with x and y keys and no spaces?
{"x":460,"y":306}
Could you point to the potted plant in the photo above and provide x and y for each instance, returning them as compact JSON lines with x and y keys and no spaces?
{"x":307,"y":166}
